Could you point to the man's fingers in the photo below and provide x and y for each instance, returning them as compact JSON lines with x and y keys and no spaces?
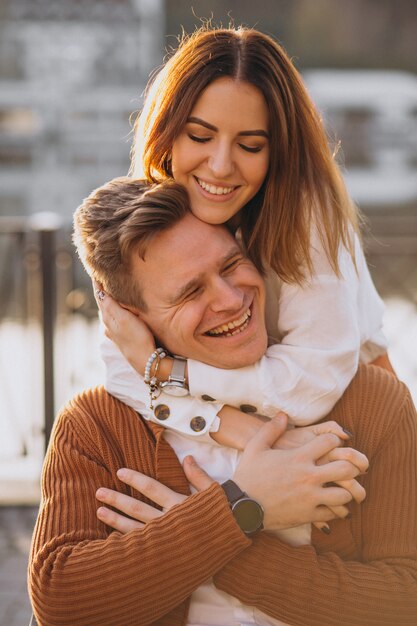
{"x":337,"y":471}
{"x":346,"y":454}
{"x":118,"y":522}
{"x":151,"y":488}
{"x":340,"y":511}
{"x":322,"y":444}
{"x":133,"y":507}
{"x":355,"y":489}
{"x":196,"y":476}
{"x":269,"y":433}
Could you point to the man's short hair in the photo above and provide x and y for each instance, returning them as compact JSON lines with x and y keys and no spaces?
{"x":120,"y":218}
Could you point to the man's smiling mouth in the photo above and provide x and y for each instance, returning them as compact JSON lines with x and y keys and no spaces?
{"x":214,"y":189}
{"x":231,"y":328}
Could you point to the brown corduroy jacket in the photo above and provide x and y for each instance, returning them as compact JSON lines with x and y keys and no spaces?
{"x":363,"y":573}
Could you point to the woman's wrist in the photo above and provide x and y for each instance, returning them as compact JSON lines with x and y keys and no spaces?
{"x":236,"y":428}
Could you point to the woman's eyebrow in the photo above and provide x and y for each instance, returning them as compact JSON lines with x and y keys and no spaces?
{"x":243,"y":133}
{"x":197,"y":120}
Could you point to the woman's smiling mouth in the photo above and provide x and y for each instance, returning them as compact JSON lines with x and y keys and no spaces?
{"x":231,"y":328}
{"x":215,"y":190}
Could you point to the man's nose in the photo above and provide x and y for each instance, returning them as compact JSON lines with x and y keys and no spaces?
{"x":221,"y":161}
{"x":226,"y":296}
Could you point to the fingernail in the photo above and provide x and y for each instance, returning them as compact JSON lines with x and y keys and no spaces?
{"x":325,"y":529}
{"x":280,"y":417}
{"x":100,"y":493}
{"x":190,"y":460}
{"x":121,"y":473}
{"x":347,"y":432}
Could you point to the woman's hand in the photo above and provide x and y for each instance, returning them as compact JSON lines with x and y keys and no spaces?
{"x":130,"y":334}
{"x":138,"y":512}
{"x":296,"y":437}
{"x":300,"y":435}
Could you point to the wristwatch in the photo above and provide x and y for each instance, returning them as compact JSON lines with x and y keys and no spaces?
{"x":176,"y":384}
{"x":247,"y":512}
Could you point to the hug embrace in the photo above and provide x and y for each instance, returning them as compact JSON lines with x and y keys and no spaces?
{"x":252,"y":458}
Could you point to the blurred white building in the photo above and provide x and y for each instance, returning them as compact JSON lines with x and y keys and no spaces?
{"x":71,"y":75}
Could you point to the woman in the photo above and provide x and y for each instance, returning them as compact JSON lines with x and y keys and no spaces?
{"x":229,"y":118}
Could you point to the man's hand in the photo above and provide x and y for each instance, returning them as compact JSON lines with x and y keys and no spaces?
{"x":138,"y":512}
{"x":290,"y":484}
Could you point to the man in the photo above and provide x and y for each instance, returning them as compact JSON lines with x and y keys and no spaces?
{"x":364,"y":572}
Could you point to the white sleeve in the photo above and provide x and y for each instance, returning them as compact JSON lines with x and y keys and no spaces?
{"x":190,"y":416}
{"x":322,"y":326}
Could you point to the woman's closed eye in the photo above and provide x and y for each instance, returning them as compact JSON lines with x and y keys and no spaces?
{"x":198,"y":139}
{"x":252,"y":149}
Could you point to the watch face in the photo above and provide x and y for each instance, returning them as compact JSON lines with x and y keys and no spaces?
{"x":248,"y":514}
{"x":174,"y":388}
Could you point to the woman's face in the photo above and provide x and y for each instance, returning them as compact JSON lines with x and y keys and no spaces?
{"x":221,"y":155}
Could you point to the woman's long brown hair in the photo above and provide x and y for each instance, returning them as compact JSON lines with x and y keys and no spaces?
{"x":303,"y":189}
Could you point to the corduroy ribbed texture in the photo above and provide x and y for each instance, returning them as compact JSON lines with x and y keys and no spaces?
{"x":363,"y":573}
{"x":81,"y":573}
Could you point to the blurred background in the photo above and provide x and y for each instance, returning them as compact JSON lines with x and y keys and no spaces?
{"x":72,"y":73}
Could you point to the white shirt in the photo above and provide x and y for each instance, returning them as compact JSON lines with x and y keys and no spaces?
{"x":317,"y":335}
{"x":210,"y":606}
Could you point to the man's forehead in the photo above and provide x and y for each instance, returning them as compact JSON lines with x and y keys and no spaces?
{"x":191,"y":238}
{"x":185,"y":255}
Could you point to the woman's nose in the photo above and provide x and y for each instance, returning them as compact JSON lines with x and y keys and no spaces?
{"x":221,"y":161}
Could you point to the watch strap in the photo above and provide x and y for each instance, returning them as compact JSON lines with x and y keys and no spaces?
{"x":233,"y":492}
{"x":178,"y":370}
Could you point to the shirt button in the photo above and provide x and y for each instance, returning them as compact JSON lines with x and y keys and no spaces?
{"x":162,"y":412}
{"x":207,"y":398}
{"x":248,"y":408}
{"x":197,"y":423}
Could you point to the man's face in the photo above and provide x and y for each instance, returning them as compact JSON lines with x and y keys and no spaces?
{"x":205,"y":300}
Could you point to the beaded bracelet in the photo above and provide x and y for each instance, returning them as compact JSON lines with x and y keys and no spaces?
{"x":153,"y":382}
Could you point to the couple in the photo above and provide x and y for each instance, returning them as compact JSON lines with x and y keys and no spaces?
{"x":177,"y":558}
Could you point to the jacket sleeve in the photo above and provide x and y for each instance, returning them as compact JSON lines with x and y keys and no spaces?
{"x":378,"y":584}
{"x":323,"y":326}
{"x":81,"y":573}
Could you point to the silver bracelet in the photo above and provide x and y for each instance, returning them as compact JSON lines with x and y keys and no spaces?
{"x":154,"y":385}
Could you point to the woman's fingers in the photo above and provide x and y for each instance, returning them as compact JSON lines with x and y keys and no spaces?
{"x":125,"y":328}
{"x":299,"y":436}
{"x":357,"y":493}
{"x":330,"y":427}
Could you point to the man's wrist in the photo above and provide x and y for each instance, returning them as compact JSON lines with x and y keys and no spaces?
{"x":248,"y":513}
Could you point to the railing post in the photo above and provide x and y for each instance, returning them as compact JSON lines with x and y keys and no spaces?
{"x":47,"y":225}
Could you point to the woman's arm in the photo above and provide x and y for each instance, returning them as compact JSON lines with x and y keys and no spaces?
{"x":321,"y":327}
